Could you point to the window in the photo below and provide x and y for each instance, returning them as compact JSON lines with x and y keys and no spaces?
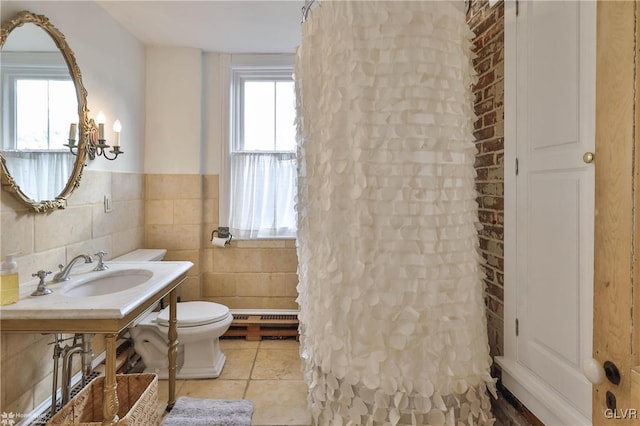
{"x":44,"y":109}
{"x":39,"y":101}
{"x":262,"y":156}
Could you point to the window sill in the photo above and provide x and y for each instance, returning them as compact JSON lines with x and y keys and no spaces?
{"x":271,"y":242}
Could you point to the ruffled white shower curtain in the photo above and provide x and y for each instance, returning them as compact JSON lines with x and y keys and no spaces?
{"x":391,"y":295}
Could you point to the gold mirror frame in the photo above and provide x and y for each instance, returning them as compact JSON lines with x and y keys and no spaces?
{"x":86,"y":125}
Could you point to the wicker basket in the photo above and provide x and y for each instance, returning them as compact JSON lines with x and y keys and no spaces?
{"x":137,"y":395}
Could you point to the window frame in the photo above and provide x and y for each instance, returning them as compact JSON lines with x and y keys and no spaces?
{"x":239,"y":74}
{"x":238,"y":78}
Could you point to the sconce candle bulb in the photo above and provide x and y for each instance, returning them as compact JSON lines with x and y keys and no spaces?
{"x":72,"y":137}
{"x":72,"y":131}
{"x":117,"y":128}
{"x":101,"y":119}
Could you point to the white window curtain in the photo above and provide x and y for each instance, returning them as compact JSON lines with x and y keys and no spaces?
{"x":263,"y":190}
{"x":28,"y":168}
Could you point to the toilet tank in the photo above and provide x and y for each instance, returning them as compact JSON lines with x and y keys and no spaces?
{"x":141,"y":255}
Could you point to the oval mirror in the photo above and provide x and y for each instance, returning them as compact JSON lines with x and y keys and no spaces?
{"x":44,"y":113}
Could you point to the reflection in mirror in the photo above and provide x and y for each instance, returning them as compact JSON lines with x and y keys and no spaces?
{"x":43,"y":103}
{"x":39,"y":103}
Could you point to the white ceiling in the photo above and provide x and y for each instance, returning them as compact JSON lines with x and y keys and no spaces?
{"x":231,"y":26}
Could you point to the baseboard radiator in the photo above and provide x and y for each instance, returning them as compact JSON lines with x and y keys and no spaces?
{"x":256,"y":324}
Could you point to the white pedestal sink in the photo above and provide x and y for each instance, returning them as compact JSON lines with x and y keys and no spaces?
{"x":102,"y":302}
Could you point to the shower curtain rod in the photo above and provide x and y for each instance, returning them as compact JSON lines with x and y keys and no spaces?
{"x":306,"y":8}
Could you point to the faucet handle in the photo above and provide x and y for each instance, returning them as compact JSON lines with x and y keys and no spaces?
{"x":101,"y":266}
{"x":41,"y":274}
{"x":42,"y":286}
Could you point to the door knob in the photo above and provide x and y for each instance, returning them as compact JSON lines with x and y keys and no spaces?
{"x":588,"y":157}
{"x":594,"y":372}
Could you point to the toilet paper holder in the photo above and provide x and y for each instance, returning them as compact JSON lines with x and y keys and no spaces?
{"x":224,"y":236}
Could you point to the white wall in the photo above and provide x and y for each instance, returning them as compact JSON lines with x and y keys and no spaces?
{"x":174,"y":111}
{"x":112,"y":63}
{"x":216,"y":110}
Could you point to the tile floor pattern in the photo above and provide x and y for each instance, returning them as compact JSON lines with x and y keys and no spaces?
{"x":266,"y":372}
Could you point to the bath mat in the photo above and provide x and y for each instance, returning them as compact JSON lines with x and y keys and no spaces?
{"x":210,"y":412}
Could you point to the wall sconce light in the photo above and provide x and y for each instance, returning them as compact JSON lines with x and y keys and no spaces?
{"x":95,"y":141}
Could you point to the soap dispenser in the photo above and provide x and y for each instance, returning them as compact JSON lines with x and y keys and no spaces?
{"x":9,"y":292}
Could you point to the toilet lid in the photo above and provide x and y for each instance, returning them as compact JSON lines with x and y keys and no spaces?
{"x":192,"y":314}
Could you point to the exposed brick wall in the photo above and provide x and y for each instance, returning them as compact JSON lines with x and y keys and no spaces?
{"x":487,"y":23}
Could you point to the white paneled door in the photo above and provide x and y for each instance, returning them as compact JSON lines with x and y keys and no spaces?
{"x":554,"y":191}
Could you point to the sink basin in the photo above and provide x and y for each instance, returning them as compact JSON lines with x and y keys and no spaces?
{"x":107,"y":283}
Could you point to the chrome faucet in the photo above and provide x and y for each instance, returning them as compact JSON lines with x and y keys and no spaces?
{"x":63,"y":275}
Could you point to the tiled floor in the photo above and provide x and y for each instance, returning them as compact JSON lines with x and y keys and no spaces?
{"x":266,"y":372}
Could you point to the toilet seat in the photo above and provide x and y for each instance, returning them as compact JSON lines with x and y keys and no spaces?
{"x":194,"y":314}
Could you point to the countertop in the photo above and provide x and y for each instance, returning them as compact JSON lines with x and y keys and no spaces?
{"x":110,"y":306}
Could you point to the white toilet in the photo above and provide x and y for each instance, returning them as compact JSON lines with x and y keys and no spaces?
{"x":200,"y":325}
